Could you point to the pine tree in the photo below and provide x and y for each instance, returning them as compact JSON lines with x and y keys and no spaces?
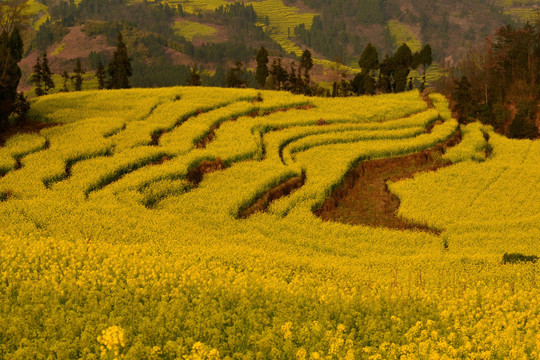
{"x":100,"y":75}
{"x":233,"y":79}
{"x":65,"y":78}
{"x":463,"y":97}
{"x":369,"y":60}
{"x":46,"y":74}
{"x":306,"y":63}
{"x":402,"y":61}
{"x":523,"y":125}
{"x":11,"y":49}
{"x":386,"y":75}
{"x":423,"y":60}
{"x":120,"y":67}
{"x":291,"y":80}
{"x":37,"y":78}
{"x":78,"y":75}
{"x":194,"y":78}
{"x":261,"y":73}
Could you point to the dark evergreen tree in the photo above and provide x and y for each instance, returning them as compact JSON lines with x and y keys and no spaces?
{"x":37,"y":78}
{"x":386,"y":75}
{"x":261,"y":73}
{"x":402,"y":61}
{"x":21,"y":107}
{"x":11,"y":51}
{"x":462,"y":96}
{"x":278,"y":75}
{"x":291,"y":79}
{"x":306,"y":63}
{"x":65,"y":78}
{"x":78,"y":75}
{"x":100,"y":75}
{"x":422,"y":61}
{"x":234,"y":76}
{"x":523,"y":125}
{"x":194,"y":78}
{"x":369,"y":60}
{"x":46,"y":74}
{"x":282,"y":74}
{"x":120,"y":66}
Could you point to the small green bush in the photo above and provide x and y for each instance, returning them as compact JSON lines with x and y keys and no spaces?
{"x":518,"y":258}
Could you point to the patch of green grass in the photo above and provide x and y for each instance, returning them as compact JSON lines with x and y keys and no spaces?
{"x":400,"y":34}
{"x":524,"y":14}
{"x":59,"y":49}
{"x":194,"y":30}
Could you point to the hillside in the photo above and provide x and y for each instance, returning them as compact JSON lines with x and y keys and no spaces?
{"x":181,"y":223}
{"x":166,"y":37}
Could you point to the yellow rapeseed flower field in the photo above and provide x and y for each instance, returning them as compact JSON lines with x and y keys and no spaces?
{"x":113,"y":246}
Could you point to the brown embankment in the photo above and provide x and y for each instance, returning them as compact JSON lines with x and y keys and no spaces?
{"x":195,"y":174}
{"x":363,"y":197}
{"x":283,"y":189}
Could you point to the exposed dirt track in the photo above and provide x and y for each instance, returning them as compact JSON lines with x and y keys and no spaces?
{"x":363,"y":197}
{"x":195,"y":174}
{"x":273,"y":194}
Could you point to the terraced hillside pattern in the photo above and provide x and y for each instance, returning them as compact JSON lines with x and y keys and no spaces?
{"x":208,"y":223}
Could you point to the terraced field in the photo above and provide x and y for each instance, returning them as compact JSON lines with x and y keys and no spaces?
{"x":124,"y":230}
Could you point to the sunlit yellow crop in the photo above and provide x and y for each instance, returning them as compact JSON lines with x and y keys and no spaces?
{"x":109,"y":250}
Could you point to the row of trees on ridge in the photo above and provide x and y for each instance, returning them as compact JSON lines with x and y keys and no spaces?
{"x":118,"y":71}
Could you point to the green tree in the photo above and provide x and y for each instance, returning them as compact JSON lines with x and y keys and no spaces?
{"x":65,"y":78}
{"x":278,"y":75}
{"x":78,"y":75}
{"x":402,"y":61}
{"x":46,"y":74}
{"x":100,"y":75}
{"x":194,"y":78}
{"x":11,"y":51}
{"x":306,"y":63}
{"x":462,"y":96}
{"x":369,"y":60}
{"x":523,"y":125}
{"x":37,"y":78}
{"x":386,"y":75}
{"x":422,"y":61}
{"x":120,"y":66}
{"x":234,"y":76}
{"x":261,"y":73}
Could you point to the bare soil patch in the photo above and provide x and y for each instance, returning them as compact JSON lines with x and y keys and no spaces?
{"x":195,"y":175}
{"x":363,"y":197}
{"x":283,"y":189}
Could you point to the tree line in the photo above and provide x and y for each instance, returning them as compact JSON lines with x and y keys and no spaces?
{"x":119,"y":71}
{"x":12,"y":103}
{"x":499,"y":82}
{"x":391,"y":75}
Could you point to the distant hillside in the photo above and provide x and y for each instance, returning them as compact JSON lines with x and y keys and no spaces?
{"x":165,"y":38}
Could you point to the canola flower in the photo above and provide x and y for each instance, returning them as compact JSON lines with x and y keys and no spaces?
{"x":100,"y":226}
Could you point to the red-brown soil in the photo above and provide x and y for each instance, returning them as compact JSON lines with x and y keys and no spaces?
{"x":363,"y":197}
{"x":195,"y":175}
{"x":283,"y":189}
